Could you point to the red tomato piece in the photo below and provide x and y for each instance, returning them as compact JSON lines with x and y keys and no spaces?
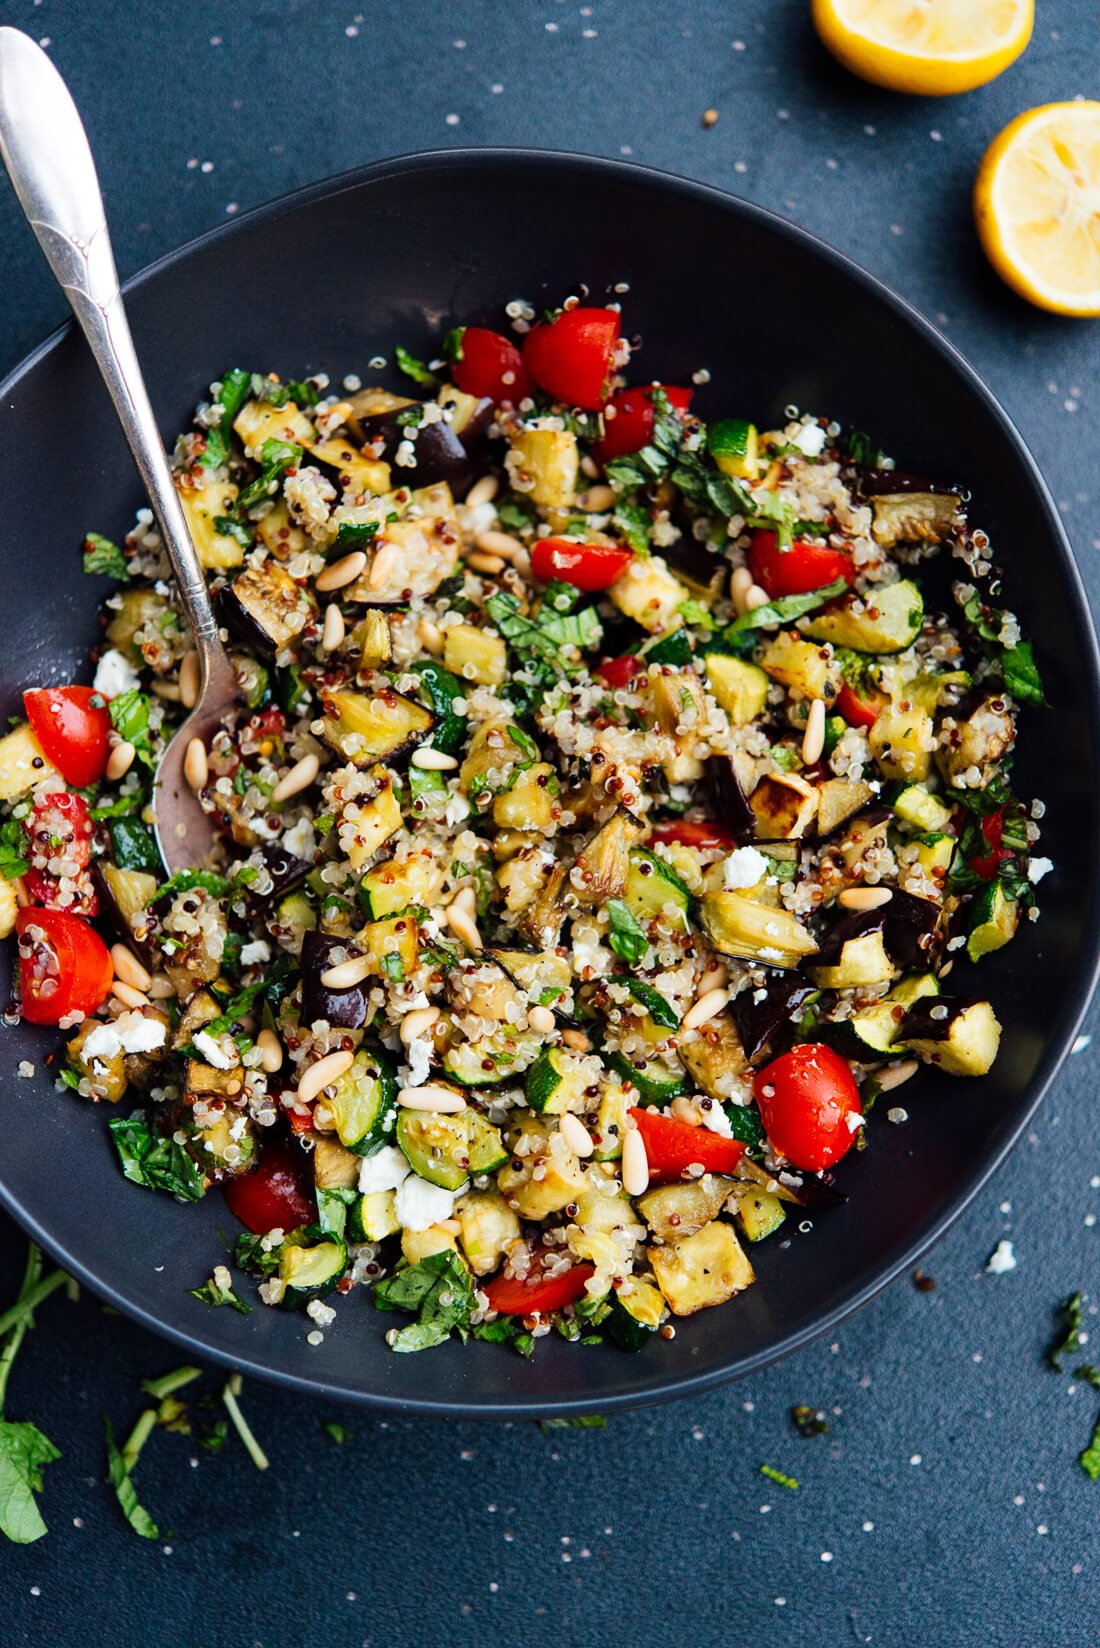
{"x":672,"y":1146}
{"x":72,"y":727}
{"x":491,"y":365}
{"x":859,"y":709}
{"x":277,"y":1194}
{"x":628,"y":420}
{"x":806,"y":1097}
{"x":589,"y":567}
{"x":59,"y":845}
{"x":64,"y":966}
{"x":797,"y":570}
{"x":695,"y":833}
{"x":618,"y":672}
{"x":992,"y":827}
{"x":571,"y":357}
{"x":513,"y":1296}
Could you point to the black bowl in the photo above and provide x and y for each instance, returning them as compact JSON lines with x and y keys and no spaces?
{"x":399,"y":252}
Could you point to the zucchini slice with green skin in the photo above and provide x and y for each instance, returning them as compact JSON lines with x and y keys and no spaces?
{"x":736,"y":926}
{"x":874,"y":1033}
{"x":740,"y":688}
{"x":395,"y":886}
{"x":490,"y":1062}
{"x":311,"y":1262}
{"x":372,"y":1216}
{"x":917,"y":806}
{"x":441,"y":687}
{"x":656,"y":1083}
{"x":757,"y":1212}
{"x":555,"y":1082}
{"x":733,"y":444}
{"x":886,"y":619}
{"x":363,"y":1104}
{"x":447,"y":1148}
{"x":650,"y":885}
{"x":366,"y":728}
{"x":960,"y":1036}
{"x":610,"y":1128}
{"x":994,"y":918}
{"x":637,"y":1310}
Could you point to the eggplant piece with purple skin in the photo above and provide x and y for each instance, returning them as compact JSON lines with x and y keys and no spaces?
{"x":286,"y":872}
{"x":877,"y":483}
{"x":265,"y":607}
{"x":909,"y":926}
{"x":758,"y":1022}
{"x":344,"y":1009}
{"x":960,"y":1036}
{"x":728,"y":801}
{"x":809,"y":1189}
{"x":439,"y":452}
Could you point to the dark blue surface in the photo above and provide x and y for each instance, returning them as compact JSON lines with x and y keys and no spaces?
{"x":944,"y":1506}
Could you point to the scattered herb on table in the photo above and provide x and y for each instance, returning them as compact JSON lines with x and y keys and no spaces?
{"x":582,"y":1422}
{"x":808,"y":1421}
{"x":24,"y":1450}
{"x":1071,"y":1334}
{"x":338,"y":1433}
{"x":777,"y":1476}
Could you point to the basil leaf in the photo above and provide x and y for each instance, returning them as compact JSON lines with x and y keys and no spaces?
{"x":103,"y":557}
{"x":211,"y":1294}
{"x":235,"y":389}
{"x":438,"y":1291}
{"x":627,"y":937}
{"x":1021,"y":674}
{"x":514,"y":515}
{"x":23,"y":1452}
{"x":393,"y":967}
{"x":12,"y":862}
{"x":862,"y":450}
{"x":133,"y":846}
{"x":136,"y":1515}
{"x":155,"y":1160}
{"x":414,"y":369}
{"x":785,"y":609}
{"x":227,"y":527}
{"x":129,"y":714}
{"x":354,"y":535}
{"x":1071,"y":1336}
{"x":185,"y":881}
{"x":660,"y":1010}
{"x":276,"y":457}
{"x":575,"y":629}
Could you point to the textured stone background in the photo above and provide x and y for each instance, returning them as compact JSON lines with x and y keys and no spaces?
{"x":944,"y":1507}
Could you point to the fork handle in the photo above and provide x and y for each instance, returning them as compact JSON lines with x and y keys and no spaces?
{"x":45,"y":149}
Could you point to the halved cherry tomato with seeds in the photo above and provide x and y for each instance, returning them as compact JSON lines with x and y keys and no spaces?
{"x":808,"y":1100}
{"x":276,"y":1194}
{"x":72,"y":726}
{"x":800,"y":568}
{"x":619,"y":672}
{"x":59,"y":844}
{"x":590,"y":567}
{"x":859,"y":709}
{"x":992,"y":828}
{"x":515,"y":1296}
{"x":571,"y":356}
{"x":491,"y":365}
{"x":64,"y":966}
{"x":629,"y":419}
{"x":672,"y":1146}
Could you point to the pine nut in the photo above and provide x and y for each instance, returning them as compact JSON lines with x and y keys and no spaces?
{"x":541,"y":1020}
{"x":712,"y":979}
{"x":22,"y":893}
{"x":319,"y":1075}
{"x":482,"y":562}
{"x":482,"y":492}
{"x":333,"y":630}
{"x":896,"y":1074}
{"x":433,"y":760}
{"x":577,"y":1040}
{"x":196,"y":768}
{"x":341,"y":572}
{"x":756,"y":597}
{"x":167,"y":690}
{"x":500,"y":543}
{"x":271,"y":1051}
{"x":704,"y":1009}
{"x":463,"y":926}
{"x":685,"y":1111}
{"x":865,"y":898}
{"x":347,"y":973}
{"x":813,"y":740}
{"x":190,"y":679}
{"x":384,"y":563}
{"x":414,"y":1024}
{"x":431,"y":1098}
{"x":635,"y":1164}
{"x":128,"y":996}
{"x":466,"y":899}
{"x":589,"y":467}
{"x":120,"y":760}
{"x":129,"y":969}
{"x":575,"y":1134}
{"x":299,"y":778}
{"x":161,"y":988}
{"x":430,"y":636}
{"x":597,"y":500}
{"x":740,"y":584}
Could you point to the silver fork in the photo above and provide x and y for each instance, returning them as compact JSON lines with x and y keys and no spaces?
{"x":45,"y":149}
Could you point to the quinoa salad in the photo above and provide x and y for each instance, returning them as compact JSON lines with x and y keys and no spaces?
{"x":608,"y":806}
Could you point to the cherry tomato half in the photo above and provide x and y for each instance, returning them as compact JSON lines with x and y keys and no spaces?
{"x":799,"y":569}
{"x":586,"y":566}
{"x":276,"y":1194}
{"x":992,"y":827}
{"x":491,"y":365}
{"x":64,"y":966}
{"x":59,"y":844}
{"x":806,"y":1097}
{"x":512,"y":1296}
{"x":618,"y":672}
{"x":671,"y":1146}
{"x":628,"y":420}
{"x":859,"y":709}
{"x":695,"y":833}
{"x":570,"y":357}
{"x":71,"y":730}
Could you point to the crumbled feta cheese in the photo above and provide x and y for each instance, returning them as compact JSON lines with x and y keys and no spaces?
{"x":744,"y":868}
{"x":1038,"y":868}
{"x":300,"y":840}
{"x":137,"y":1034}
{"x":1002,"y":1259}
{"x":419,"y":1205}
{"x":810,"y":440}
{"x":101,"y":1043}
{"x":716,"y":1119}
{"x":206,"y":1045}
{"x":420,"y":1061}
{"x":26,"y":1069}
{"x":385,"y":1170}
{"x":114,"y":674}
{"x":257,"y":949}
{"x":456,"y":810}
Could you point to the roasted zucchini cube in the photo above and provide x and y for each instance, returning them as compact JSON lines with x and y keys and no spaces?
{"x":475,"y":655}
{"x":902,"y":740}
{"x":738,"y":927}
{"x":531,"y":802}
{"x":548,"y":460}
{"x":807,"y":666}
{"x":488,"y":1225}
{"x":22,"y":764}
{"x":673,"y":1211}
{"x":739,"y":687}
{"x":698,"y":1271}
{"x":650,"y":594}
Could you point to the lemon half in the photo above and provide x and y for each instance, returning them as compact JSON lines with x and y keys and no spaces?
{"x":1037,"y":202}
{"x":929,"y":47}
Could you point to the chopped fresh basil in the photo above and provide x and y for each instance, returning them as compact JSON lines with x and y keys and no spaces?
{"x":211,"y":1294}
{"x":103,"y":557}
{"x":582,"y":1422}
{"x":862,"y":450}
{"x":514,"y":514}
{"x":506,"y":1330}
{"x":786,"y":608}
{"x":393,"y":967}
{"x":133,"y":846}
{"x":354,"y":535}
{"x":659,"y":1009}
{"x":414,"y":369}
{"x":337,"y":1433}
{"x":12,"y":862}
{"x":777,"y":1476}
{"x":1070,"y":1339}
{"x":451,"y":347}
{"x":627,"y":937}
{"x":632,"y":522}
{"x":129,"y":714}
{"x":276,"y":457}
{"x":332,"y":1211}
{"x":155,"y":1160}
{"x":438,"y":1291}
{"x":236,"y":386}
{"x":186,"y":881}
{"x":228,"y":527}
{"x":118,"y":1474}
{"x":1019,"y":670}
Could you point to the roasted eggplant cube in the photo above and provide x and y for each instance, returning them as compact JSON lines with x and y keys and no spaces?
{"x":345,"y":1009}
{"x":961,"y":1036}
{"x":761,"y":1013}
{"x":365,"y":728}
{"x":266,"y":608}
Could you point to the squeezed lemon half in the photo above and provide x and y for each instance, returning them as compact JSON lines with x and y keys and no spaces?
{"x":928,"y":47}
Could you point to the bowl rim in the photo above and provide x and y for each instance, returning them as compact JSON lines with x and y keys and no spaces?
{"x":663,"y":1388}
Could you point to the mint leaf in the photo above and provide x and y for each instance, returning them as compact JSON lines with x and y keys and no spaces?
{"x":785,"y":609}
{"x":103,"y":557}
{"x":414,"y":369}
{"x":23,"y":1452}
{"x":627,"y":937}
{"x":438,"y":1291}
